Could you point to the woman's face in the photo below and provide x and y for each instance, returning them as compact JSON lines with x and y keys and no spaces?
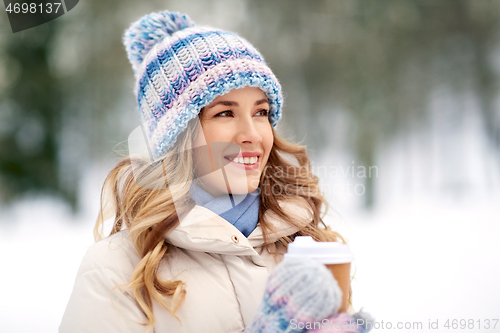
{"x":239,"y":135}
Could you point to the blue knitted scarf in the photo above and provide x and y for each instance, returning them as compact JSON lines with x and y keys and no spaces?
{"x":241,"y":210}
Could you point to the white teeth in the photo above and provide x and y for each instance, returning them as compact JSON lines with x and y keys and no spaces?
{"x":246,"y":160}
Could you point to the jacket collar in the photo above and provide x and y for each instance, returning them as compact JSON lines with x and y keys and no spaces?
{"x":204,"y":231}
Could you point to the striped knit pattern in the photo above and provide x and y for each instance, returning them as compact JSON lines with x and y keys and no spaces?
{"x":181,"y":67}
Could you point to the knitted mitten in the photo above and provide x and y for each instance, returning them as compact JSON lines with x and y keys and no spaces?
{"x":297,"y":291}
{"x":360,"y":322}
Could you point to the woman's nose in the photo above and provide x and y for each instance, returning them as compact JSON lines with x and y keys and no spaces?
{"x":248,"y":132}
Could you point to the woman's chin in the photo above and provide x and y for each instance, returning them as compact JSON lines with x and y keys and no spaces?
{"x":243,"y":186}
{"x":215,"y":184}
{"x":243,"y":191}
{"x":235,"y":189}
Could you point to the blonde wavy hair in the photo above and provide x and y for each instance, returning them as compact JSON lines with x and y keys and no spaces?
{"x":135,"y":195}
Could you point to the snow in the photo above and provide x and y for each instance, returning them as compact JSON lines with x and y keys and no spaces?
{"x":41,"y":246}
{"x":429,"y":261}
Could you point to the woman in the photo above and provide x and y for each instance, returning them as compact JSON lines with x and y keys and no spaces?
{"x":200,"y":224}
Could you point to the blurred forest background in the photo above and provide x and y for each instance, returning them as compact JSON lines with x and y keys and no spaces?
{"x":408,"y":88}
{"x":358,"y":75}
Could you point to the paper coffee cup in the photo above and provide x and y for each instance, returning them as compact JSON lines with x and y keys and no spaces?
{"x":336,"y":256}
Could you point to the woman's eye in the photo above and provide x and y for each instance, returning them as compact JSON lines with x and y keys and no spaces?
{"x":227,"y":113}
{"x":262,"y":113}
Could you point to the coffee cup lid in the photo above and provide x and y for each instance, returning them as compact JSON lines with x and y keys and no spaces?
{"x":327,"y":253}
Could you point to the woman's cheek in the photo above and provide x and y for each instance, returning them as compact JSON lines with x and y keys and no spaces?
{"x":219,"y":132}
{"x":268,"y":138}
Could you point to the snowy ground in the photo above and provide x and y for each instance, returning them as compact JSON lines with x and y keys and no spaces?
{"x":428,"y":262}
{"x":40,"y":255}
{"x":415,"y":263}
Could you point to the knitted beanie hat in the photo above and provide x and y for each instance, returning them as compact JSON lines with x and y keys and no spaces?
{"x":180,"y":67}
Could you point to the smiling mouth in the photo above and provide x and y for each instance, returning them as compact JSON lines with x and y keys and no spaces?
{"x":244,"y":160}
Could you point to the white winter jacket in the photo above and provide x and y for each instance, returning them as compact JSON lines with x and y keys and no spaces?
{"x":225,"y":275}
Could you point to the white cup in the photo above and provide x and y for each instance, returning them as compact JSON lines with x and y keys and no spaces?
{"x":336,"y":256}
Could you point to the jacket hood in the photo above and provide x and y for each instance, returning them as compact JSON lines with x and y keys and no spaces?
{"x":203,"y":230}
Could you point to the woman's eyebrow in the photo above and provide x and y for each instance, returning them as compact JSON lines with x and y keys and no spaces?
{"x":225,"y":103}
{"x":233,"y":103}
{"x":262,"y":101}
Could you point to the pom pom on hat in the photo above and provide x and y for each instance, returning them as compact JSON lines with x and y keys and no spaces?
{"x":150,"y":30}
